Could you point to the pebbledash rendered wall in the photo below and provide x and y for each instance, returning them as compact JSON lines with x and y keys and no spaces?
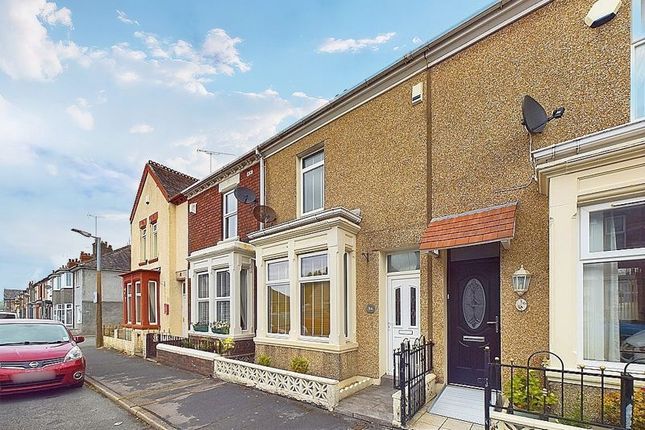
{"x":480,"y":150}
{"x":375,"y":161}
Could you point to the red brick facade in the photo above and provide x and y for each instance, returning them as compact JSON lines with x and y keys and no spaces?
{"x":205,"y":225}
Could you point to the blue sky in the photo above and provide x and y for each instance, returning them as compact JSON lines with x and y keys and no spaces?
{"x":90,"y":90}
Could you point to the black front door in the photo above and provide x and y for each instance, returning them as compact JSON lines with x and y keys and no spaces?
{"x":473,"y":315}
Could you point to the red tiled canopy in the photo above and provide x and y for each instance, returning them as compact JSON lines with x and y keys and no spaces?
{"x":492,"y":224}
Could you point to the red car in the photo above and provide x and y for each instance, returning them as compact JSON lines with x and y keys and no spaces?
{"x":38,"y":355}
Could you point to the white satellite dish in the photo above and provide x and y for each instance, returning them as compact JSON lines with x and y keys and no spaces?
{"x":602,"y":12}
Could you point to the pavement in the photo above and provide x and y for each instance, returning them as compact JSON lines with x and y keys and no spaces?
{"x":168,"y":398}
{"x":75,"y":408}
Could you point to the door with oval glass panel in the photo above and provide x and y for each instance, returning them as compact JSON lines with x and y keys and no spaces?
{"x":403,"y":312}
{"x":473,"y":315}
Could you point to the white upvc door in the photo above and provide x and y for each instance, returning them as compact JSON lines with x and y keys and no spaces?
{"x":403,"y":319}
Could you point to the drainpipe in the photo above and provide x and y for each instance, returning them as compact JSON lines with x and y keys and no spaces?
{"x":262,"y":197}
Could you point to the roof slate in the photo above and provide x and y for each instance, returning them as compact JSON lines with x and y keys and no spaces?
{"x":172,"y":181}
{"x":11,"y":294}
{"x":117,"y":260}
{"x":470,"y":228}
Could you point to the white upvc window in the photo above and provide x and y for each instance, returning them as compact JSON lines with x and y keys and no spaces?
{"x":58,"y":312}
{"x":137,"y":299}
{"x":223,"y":297}
{"x":312,"y":182}
{"x":152,"y":302}
{"x":69,"y":314}
{"x":69,"y":280}
{"x":229,"y":209}
{"x":56,"y":282}
{"x":79,"y":314}
{"x":278,"y":297}
{"x":128,"y":303}
{"x":154,"y":245}
{"x":638,"y":60}
{"x":315,"y":309}
{"x":612,"y":260}
{"x":203,"y":294}
{"x":143,"y":244}
{"x":244,"y":299}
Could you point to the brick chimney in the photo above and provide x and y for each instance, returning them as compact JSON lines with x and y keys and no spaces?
{"x":85,"y":256}
{"x":105,"y":248}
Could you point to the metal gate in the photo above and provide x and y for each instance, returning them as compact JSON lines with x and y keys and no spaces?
{"x":412,"y":362}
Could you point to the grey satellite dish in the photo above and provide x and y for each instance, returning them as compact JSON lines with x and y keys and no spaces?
{"x":602,"y":12}
{"x":534,"y":116}
{"x":264,"y":214}
{"x":244,"y":195}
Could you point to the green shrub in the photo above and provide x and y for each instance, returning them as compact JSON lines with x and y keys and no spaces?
{"x":226,"y":345}
{"x":263,"y":360}
{"x":300,"y":364}
{"x":537,"y":397}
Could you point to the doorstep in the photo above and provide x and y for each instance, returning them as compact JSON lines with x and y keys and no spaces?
{"x":429,"y":421}
{"x":373,"y":404}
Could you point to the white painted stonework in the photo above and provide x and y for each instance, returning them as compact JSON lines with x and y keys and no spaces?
{"x":306,"y":388}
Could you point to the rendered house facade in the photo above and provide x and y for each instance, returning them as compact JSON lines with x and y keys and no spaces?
{"x":154,"y":289}
{"x":222,"y":262}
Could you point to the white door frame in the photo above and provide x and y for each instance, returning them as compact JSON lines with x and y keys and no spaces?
{"x":414,"y":274}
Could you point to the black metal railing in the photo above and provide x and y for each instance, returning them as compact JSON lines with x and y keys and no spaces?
{"x":582,"y":397}
{"x":412,"y":362}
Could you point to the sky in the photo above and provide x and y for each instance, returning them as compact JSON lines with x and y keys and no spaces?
{"x":91,"y":90}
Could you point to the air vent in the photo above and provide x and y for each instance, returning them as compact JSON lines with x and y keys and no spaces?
{"x":192,"y":208}
{"x":417,"y":92}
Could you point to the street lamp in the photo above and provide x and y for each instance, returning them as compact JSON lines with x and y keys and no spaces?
{"x":99,"y":292}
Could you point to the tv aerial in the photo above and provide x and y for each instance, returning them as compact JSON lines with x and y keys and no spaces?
{"x":534,"y":117}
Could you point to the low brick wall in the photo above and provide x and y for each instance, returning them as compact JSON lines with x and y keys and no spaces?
{"x":187,"y":359}
{"x":242,"y":346}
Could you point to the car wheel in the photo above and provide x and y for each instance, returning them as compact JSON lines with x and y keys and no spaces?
{"x":79,"y":384}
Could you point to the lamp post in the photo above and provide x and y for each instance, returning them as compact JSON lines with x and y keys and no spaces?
{"x":99,"y":292}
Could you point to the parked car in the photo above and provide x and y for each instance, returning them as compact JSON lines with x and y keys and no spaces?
{"x":633,"y":347}
{"x":38,"y":355}
{"x":8,"y":315}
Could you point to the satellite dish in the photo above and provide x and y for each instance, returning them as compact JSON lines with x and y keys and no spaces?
{"x":602,"y":12}
{"x":533,"y":115}
{"x":264,"y":214}
{"x":244,"y":195}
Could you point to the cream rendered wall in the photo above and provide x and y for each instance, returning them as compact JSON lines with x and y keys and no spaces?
{"x":567,"y":193}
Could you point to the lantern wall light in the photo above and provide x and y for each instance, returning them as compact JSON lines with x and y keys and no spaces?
{"x":521,"y":282}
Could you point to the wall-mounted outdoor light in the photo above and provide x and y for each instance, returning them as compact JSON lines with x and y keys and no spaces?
{"x":521,"y":281}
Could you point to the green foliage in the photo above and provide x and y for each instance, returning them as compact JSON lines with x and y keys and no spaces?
{"x":300,"y":364}
{"x":612,"y":409}
{"x":263,"y":360}
{"x":225,"y":345}
{"x":538,"y":396}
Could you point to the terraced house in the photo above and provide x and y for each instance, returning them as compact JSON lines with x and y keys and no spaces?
{"x":154,"y":289}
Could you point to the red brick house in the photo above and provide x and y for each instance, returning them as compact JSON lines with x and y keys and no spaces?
{"x":221,"y":261}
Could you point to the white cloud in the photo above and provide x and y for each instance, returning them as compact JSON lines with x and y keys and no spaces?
{"x":80,"y":115}
{"x":18,"y":130}
{"x":141,"y":129}
{"x":26,"y":50}
{"x":333,"y":45}
{"x":416,"y":40}
{"x":123,"y":17}
{"x":127,"y":77}
{"x":220,"y":48}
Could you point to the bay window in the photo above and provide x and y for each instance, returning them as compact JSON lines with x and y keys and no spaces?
{"x":202,"y":298}
{"x":279,"y":306}
{"x":312,"y":182}
{"x":128,"y":297}
{"x":314,"y":295}
{"x":230,"y":215}
{"x":244,"y":293}
{"x":152,"y":302}
{"x":613,"y":281}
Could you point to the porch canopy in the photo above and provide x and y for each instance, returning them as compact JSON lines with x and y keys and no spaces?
{"x":492,"y":224}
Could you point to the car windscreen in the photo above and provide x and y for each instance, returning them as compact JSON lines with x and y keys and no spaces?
{"x":6,"y":316}
{"x":30,"y":334}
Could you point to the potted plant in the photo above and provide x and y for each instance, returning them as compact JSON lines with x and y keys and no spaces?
{"x":539,"y":396}
{"x":220,"y":327}
{"x":203,"y":327}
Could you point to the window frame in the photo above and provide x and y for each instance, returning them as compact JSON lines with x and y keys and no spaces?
{"x":206,"y":299}
{"x":586,"y":257}
{"x":156,"y":303}
{"x":219,"y":299}
{"x":634,"y":43}
{"x":128,"y":299}
{"x":137,"y":297}
{"x":226,"y":216}
{"x":143,"y":244}
{"x":268,"y":284}
{"x":312,"y":279}
{"x":304,"y":170}
{"x":154,"y":241}
{"x":68,"y":307}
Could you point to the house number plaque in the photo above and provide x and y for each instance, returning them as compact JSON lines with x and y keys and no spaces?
{"x":521,"y":305}
{"x":370,"y":309}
